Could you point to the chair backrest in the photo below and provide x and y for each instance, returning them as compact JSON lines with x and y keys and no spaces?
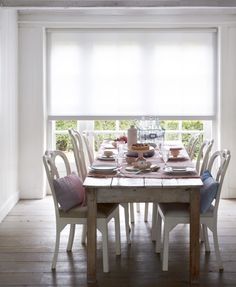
{"x":218,"y":165}
{"x":203,"y":156}
{"x":53,"y":171}
{"x":191,"y":147}
{"x":89,"y":148}
{"x":77,"y":144}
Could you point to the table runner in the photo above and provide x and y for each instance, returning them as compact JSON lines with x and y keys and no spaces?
{"x":182,"y":161}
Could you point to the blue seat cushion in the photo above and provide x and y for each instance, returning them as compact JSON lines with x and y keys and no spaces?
{"x":208,"y":191}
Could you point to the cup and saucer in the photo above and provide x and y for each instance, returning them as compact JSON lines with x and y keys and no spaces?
{"x":108,"y":155}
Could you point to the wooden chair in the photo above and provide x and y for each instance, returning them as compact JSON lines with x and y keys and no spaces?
{"x":78,"y":144}
{"x":78,"y":215}
{"x":174,"y":214}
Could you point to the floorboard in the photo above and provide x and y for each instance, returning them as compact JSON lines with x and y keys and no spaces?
{"x":27,"y":238}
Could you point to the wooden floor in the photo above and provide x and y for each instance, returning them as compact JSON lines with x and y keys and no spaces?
{"x":27,"y":241}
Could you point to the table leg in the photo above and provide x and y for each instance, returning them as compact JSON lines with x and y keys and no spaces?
{"x":194,"y":236}
{"x":91,"y":235}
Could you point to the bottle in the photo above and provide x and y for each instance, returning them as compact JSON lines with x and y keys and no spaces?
{"x":132,"y":136}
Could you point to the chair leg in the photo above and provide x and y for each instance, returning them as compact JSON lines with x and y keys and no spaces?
{"x":84,"y":234}
{"x":217,"y":250}
{"x":71,"y":237}
{"x":138,"y":207}
{"x":117,"y":232}
{"x":206,"y":238}
{"x":127,"y":227}
{"x":201,"y":233}
{"x":165,"y":256}
{"x":104,"y":231}
{"x":154,"y":218}
{"x":54,"y":260}
{"x":146,"y":212}
{"x":131,"y":206}
{"x":158,"y":233}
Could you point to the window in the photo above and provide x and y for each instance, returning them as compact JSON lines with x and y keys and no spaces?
{"x":129,"y":73}
{"x":174,"y":130}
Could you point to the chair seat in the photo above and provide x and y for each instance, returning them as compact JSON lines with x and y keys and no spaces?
{"x":181,"y":210}
{"x":103,"y":211}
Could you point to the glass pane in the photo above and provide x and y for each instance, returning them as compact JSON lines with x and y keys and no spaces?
{"x":169,"y":125}
{"x":65,"y":125}
{"x":104,"y":125}
{"x":125,"y":124}
{"x":192,"y":125}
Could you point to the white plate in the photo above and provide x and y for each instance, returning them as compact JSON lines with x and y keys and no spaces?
{"x":109,"y":146}
{"x":179,"y":169}
{"x":106,"y":158}
{"x":132,"y":169}
{"x":103,"y":168}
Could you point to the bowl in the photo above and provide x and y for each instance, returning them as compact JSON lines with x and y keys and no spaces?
{"x":130,"y":159}
{"x":108,"y":153}
{"x":175,"y":151}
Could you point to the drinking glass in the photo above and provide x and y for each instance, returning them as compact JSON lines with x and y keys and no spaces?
{"x":165,"y":156}
{"x":119,"y":157}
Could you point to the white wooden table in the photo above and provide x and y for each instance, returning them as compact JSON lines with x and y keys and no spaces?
{"x":116,"y":190}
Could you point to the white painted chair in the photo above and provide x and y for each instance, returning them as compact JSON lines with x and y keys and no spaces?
{"x":90,"y":155}
{"x":78,"y":144}
{"x":192,"y":144}
{"x":201,"y":163}
{"x":88,"y":148}
{"x":174,"y":214}
{"x":78,"y":215}
{"x":203,"y":156}
{"x":202,"y":159}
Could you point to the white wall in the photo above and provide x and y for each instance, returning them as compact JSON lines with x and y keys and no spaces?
{"x":32,"y":123}
{"x":31,"y":112}
{"x":8,"y":111}
{"x":227,"y":114}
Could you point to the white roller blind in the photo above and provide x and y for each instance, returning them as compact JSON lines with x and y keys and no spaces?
{"x":131,"y":72}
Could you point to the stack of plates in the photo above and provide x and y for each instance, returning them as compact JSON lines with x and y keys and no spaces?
{"x":100,"y":168}
{"x":106,"y":158}
{"x":179,"y":169}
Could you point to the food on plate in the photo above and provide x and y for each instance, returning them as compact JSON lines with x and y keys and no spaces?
{"x":120,"y":139}
{"x":140,"y":147}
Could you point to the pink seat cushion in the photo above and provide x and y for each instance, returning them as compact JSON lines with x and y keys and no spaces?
{"x":69,"y":191}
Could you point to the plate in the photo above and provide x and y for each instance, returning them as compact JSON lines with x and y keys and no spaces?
{"x":179,"y":157}
{"x":109,"y":146}
{"x":179,"y":169}
{"x":132,"y":169}
{"x":106,"y":158}
{"x":103,"y":168}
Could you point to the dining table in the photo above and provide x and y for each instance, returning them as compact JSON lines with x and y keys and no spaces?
{"x":152,"y":185}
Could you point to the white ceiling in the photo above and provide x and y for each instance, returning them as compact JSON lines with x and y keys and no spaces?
{"x":117,"y":3}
